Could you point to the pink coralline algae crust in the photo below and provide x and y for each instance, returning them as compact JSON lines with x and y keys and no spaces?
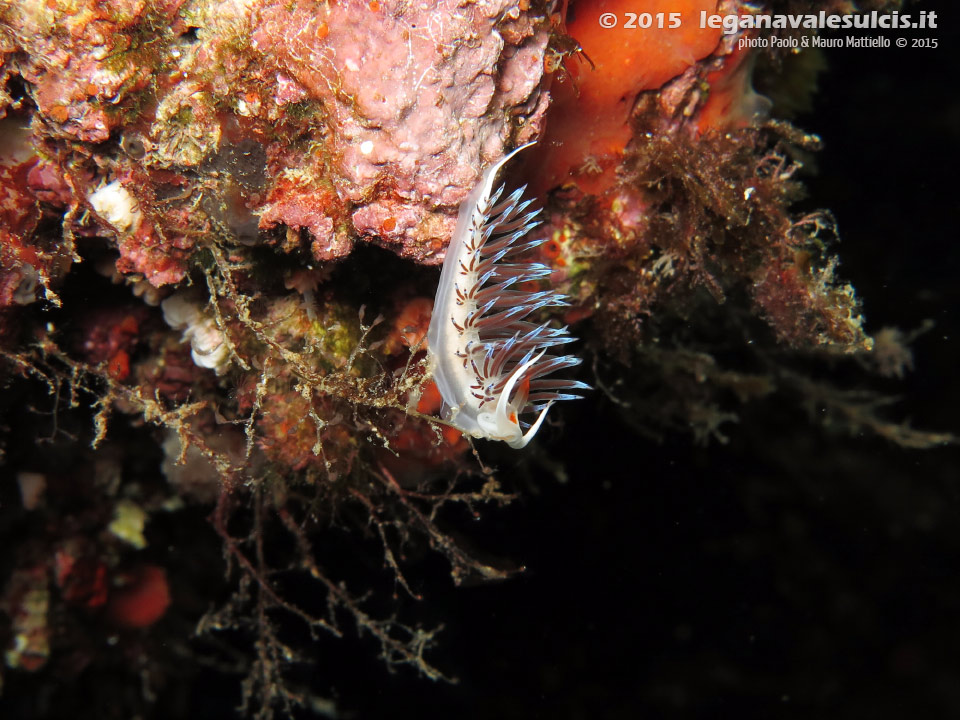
{"x":81,"y":58}
{"x":161,"y":262}
{"x":29,"y":266}
{"x":301,"y":200}
{"x":332,"y":122}
{"x":416,"y":99}
{"x":19,"y":216}
{"x":47,"y":183}
{"x":160,"y":239}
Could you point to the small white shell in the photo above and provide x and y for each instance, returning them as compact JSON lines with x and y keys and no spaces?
{"x":208,"y":346}
{"x":114,"y":203}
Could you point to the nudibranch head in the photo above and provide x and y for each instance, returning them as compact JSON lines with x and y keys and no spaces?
{"x":490,"y":362}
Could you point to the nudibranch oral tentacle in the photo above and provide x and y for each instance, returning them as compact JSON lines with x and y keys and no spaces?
{"x":490,"y":362}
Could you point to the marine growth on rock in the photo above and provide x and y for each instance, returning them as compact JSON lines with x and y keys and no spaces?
{"x":221,"y":224}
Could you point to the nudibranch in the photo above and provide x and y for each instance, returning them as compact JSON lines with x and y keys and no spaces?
{"x":489,"y":361}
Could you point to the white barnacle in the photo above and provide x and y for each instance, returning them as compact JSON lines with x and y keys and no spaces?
{"x":208,"y":346}
{"x":490,"y":362}
{"x":114,"y":203}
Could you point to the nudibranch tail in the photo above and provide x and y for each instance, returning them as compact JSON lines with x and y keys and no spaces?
{"x":490,"y":361}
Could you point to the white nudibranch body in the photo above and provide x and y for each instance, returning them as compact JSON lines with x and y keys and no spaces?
{"x":489,"y":361}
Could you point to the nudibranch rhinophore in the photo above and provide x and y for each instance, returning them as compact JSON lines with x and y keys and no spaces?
{"x":489,"y":361}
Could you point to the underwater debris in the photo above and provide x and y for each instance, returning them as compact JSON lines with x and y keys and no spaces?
{"x":26,"y":601}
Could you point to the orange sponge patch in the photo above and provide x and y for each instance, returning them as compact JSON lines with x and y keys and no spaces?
{"x":588,"y":127}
